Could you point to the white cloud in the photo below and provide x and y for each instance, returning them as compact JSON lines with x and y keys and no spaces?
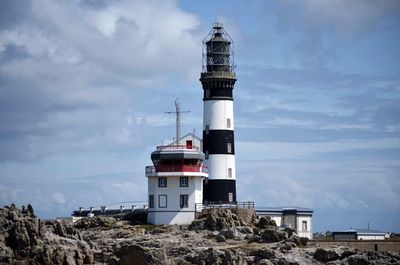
{"x":58,"y":198}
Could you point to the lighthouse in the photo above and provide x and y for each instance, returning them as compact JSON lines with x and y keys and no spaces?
{"x":218,"y":79}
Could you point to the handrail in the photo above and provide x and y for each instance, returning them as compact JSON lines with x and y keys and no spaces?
{"x":224,"y":205}
{"x":176,"y":168}
{"x":174,"y":147}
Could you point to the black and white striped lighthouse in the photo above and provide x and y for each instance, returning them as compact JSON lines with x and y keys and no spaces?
{"x":218,"y":79}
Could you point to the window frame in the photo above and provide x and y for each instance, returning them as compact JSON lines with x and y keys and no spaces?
{"x":151,"y":200}
{"x":304,"y":225}
{"x":160,"y":184}
{"x":159,"y":201}
{"x":184,"y":201}
{"x":182,"y":184}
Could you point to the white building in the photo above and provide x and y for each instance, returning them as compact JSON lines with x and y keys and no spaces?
{"x":175,"y":182}
{"x":359,"y":234}
{"x":300,"y":219}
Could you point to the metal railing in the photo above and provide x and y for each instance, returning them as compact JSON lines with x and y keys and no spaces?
{"x":224,"y":205}
{"x":176,"y":168}
{"x":175,"y":147}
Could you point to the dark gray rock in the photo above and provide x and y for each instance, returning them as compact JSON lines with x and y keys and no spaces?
{"x":358,"y":260}
{"x":135,"y":254}
{"x":266,"y":222}
{"x":325,"y":255}
{"x":263,"y":253}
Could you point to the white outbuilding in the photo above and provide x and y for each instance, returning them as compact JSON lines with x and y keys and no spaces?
{"x":300,"y":219}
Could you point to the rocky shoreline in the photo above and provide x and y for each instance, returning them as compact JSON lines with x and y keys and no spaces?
{"x":219,"y":237}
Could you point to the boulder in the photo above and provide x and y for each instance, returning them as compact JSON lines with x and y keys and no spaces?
{"x":266,"y":222}
{"x":263,"y":253}
{"x":325,"y":255}
{"x":273,"y":235}
{"x":358,"y":260}
{"x":135,"y":254}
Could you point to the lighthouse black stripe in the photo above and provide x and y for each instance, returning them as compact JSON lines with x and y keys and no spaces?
{"x":217,"y":190}
{"x":219,"y":92}
{"x":218,"y":142}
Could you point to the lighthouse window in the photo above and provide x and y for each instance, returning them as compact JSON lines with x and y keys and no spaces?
{"x":229,"y":148}
{"x":206,"y":154}
{"x":230,"y":172}
{"x":162,"y":201}
{"x":207,"y":129}
{"x":151,"y":201}
{"x":184,"y":181}
{"x":228,"y":123}
{"x":162,"y":182}
{"x":184,"y":201}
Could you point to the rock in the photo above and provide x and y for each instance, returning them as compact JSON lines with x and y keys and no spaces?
{"x":266,"y":222}
{"x":212,"y":256}
{"x":197,"y":224}
{"x":325,"y":255}
{"x":245,"y":230}
{"x":135,"y":254}
{"x":358,"y":260}
{"x":303,"y":241}
{"x":263,"y":253}
{"x":273,"y":235}
{"x":219,"y":219}
{"x":220,"y":238}
{"x":96,"y":221}
{"x":347,"y":253}
{"x":264,"y":262}
{"x":230,"y":233}
{"x":290,"y":231}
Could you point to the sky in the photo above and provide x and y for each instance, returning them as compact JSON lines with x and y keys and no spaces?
{"x":85,"y":84}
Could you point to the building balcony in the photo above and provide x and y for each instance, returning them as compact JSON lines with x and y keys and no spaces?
{"x":176,"y":170}
{"x":177,"y":147}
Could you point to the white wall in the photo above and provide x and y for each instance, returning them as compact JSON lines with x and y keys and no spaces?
{"x":304,"y":233}
{"x":218,"y":166}
{"x":370,"y":237}
{"x":216,"y":113}
{"x":173,"y":214}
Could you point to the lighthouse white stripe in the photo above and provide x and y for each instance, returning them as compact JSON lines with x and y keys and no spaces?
{"x":219,"y":165}
{"x":217,"y":113}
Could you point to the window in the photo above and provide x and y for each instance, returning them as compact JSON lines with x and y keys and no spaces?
{"x":228,"y":123}
{"x":162,"y":182}
{"x":184,"y":201}
{"x":304,"y":226}
{"x":207,"y":92}
{"x":229,"y":172}
{"x":162,"y":201}
{"x":229,"y":148}
{"x":151,"y":201}
{"x":230,"y":194}
{"x":184,"y":181}
{"x":206,"y":154}
{"x":207,"y":129}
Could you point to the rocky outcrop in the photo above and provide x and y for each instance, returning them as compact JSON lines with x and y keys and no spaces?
{"x":135,"y":254}
{"x":96,"y":221}
{"x":24,"y":237}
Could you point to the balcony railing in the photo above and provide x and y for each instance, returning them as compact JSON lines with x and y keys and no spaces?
{"x":175,"y":147}
{"x":176,"y":168}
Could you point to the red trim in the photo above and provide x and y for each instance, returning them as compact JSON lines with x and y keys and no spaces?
{"x":176,"y":168}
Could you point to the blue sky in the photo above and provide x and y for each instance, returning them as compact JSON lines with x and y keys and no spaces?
{"x":84,"y":86}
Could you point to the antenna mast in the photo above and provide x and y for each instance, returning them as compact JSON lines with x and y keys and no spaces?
{"x":178,"y":112}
